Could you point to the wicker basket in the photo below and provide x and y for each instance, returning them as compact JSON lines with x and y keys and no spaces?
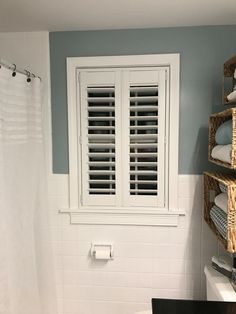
{"x":229,"y":68}
{"x":215,"y":121}
{"x":211,"y":189}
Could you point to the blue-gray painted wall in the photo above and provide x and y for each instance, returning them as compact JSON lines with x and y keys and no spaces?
{"x":203,"y":51}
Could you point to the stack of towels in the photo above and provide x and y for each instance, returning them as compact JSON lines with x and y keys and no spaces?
{"x":223,"y":138}
{"x":218,"y":213}
{"x":232,"y":96}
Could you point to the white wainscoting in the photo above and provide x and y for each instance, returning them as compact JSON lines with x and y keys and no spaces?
{"x":149,"y":261}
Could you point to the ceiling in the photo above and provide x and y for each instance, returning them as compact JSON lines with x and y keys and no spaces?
{"x":65,"y":15}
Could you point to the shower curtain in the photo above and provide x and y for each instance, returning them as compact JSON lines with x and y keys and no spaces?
{"x":26,"y":280}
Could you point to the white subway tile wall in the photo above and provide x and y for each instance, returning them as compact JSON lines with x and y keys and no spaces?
{"x":164,"y":262}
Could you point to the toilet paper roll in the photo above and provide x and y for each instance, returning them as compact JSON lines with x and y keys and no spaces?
{"x":104,"y":254}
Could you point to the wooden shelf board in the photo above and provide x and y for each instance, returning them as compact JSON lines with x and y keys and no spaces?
{"x":221,"y":163}
{"x":225,"y":178}
{"x":230,"y":103}
{"x":225,"y":113}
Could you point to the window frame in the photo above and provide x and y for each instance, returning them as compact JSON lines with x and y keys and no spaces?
{"x":135,"y":216}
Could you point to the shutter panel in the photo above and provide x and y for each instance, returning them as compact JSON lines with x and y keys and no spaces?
{"x":98,"y":94}
{"x":145,"y":125}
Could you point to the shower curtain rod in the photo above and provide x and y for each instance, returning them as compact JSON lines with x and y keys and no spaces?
{"x":14,"y":68}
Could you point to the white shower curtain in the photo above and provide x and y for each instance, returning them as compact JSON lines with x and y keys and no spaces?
{"x":26,"y":280}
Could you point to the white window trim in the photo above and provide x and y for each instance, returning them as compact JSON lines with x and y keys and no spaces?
{"x":166,"y":216}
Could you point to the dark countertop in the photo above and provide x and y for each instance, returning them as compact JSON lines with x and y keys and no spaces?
{"x":170,"y":306}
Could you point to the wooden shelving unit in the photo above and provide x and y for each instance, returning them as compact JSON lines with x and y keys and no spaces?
{"x":212,"y":180}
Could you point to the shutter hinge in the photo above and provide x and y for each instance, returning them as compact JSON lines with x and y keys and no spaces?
{"x":81,"y":199}
{"x":78,"y":77}
{"x":164,"y":140}
{"x":80,"y":140}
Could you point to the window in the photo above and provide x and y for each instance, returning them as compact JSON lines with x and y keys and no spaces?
{"x":120,"y":135}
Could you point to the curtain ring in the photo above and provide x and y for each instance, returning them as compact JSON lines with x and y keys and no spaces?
{"x":28,"y":76}
{"x":14,"y":70}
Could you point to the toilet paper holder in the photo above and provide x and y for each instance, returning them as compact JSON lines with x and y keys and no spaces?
{"x":97,"y":246}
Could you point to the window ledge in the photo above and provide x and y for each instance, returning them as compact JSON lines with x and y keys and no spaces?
{"x":136,"y":218}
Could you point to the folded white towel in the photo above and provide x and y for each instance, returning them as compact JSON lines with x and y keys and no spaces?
{"x":221,"y":200}
{"x":222,"y":153}
{"x":232,"y":96}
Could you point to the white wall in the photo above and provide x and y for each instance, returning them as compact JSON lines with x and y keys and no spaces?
{"x":149,"y":261}
{"x":164,"y":262}
{"x":27,"y":50}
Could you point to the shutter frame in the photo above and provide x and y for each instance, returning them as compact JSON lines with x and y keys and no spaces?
{"x":119,"y":196}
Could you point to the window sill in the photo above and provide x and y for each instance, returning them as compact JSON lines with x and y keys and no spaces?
{"x":121,"y":217}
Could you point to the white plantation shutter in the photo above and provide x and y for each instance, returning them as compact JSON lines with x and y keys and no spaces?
{"x":144,"y":122}
{"x":99,"y":95}
{"x":122,"y":135}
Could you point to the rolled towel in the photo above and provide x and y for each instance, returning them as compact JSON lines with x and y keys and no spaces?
{"x":223,"y":134}
{"x":222,"y":153}
{"x":232,"y":96}
{"x":223,"y":188}
{"x":221,"y":200}
{"x":219,"y":217}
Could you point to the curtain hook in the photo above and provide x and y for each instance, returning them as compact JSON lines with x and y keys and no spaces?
{"x":14,"y":70}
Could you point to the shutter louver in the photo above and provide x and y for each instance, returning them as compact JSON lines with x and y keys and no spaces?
{"x":143,"y":152}
{"x":101,"y":140}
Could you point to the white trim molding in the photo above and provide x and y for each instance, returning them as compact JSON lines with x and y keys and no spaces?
{"x":124,"y":218}
{"x":167,"y":216}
